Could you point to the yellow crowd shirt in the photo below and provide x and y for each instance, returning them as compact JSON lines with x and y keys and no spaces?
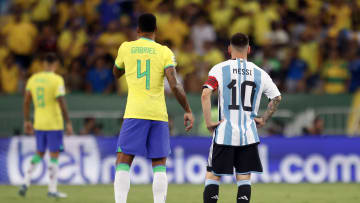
{"x":45,"y":88}
{"x":145,"y":62}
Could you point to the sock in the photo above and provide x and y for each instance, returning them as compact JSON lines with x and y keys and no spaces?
{"x":211,"y":191}
{"x":34,"y":162}
{"x":244,"y":191}
{"x":160,"y":184}
{"x":53,"y":169}
{"x":122,"y":182}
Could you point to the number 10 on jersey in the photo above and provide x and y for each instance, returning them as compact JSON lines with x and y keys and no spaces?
{"x":146,"y":73}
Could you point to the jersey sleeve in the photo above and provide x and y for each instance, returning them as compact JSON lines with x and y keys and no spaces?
{"x":212,"y":81}
{"x":119,"y":61}
{"x":270,"y":89}
{"x":28,"y":85}
{"x":60,"y":88}
{"x":169,"y":58}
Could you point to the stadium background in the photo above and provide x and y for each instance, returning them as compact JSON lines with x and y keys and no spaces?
{"x":309,"y":47}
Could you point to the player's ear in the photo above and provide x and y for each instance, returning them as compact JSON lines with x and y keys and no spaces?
{"x":249,"y":49}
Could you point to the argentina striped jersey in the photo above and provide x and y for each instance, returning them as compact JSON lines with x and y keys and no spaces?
{"x":240,"y":85}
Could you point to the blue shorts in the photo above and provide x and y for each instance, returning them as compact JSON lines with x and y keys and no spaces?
{"x":51,"y":139}
{"x":145,"y":138}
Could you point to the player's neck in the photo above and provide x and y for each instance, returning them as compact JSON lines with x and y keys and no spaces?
{"x":238,"y":55}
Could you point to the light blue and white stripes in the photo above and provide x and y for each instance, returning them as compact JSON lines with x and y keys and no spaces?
{"x":238,"y":127}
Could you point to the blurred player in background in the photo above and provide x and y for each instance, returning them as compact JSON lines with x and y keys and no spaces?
{"x":47,"y":91}
{"x":145,"y":130}
{"x":240,"y":85}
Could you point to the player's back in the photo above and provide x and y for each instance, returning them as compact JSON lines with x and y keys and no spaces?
{"x":240,"y":86}
{"x":45,"y":87}
{"x":145,"y":62}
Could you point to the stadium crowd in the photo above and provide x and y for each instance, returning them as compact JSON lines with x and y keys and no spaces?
{"x":306,"y":45}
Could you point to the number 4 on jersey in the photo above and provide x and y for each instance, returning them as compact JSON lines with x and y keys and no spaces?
{"x":146,"y":73}
{"x":246,"y":88}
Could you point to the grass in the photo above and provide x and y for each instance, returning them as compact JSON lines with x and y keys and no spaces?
{"x":261,"y":193}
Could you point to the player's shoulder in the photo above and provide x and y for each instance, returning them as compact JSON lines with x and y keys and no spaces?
{"x":125,"y":44}
{"x":218,"y":67}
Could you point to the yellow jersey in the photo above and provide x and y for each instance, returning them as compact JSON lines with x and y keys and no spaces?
{"x":145,"y":62}
{"x":45,"y":88}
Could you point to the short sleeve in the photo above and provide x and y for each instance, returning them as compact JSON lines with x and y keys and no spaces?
{"x":28,"y":85}
{"x":212,"y":81}
{"x":169,"y":58}
{"x":119,"y":61}
{"x":60,"y":88}
{"x":270,"y":89}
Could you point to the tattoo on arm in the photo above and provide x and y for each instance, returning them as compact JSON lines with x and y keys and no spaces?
{"x":272,"y":107}
{"x":177,"y":89}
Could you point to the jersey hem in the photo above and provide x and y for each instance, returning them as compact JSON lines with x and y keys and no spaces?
{"x":245,"y":145}
{"x":145,"y":118}
{"x":49,"y":129}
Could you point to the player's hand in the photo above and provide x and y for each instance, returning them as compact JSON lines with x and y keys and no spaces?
{"x":188,"y":121}
{"x":69,"y":129}
{"x":213,"y":125}
{"x":260,"y":122}
{"x":28,"y":128}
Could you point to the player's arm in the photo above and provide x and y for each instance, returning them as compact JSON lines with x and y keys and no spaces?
{"x":65,"y":113}
{"x":28,"y":128}
{"x":206,"y":107}
{"x":180,"y":96}
{"x":271,"y":109}
{"x":119,"y":66}
{"x":273,"y":93}
{"x":118,"y":72}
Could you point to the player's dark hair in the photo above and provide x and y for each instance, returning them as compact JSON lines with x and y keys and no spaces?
{"x":147,"y":22}
{"x":51,"y":58}
{"x":239,"y":40}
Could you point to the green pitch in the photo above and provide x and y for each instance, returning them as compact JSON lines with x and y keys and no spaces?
{"x":262,"y":193}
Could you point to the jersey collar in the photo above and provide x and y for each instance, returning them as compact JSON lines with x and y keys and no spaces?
{"x":144,"y":38}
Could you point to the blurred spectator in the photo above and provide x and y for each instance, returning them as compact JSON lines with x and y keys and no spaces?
{"x":335,"y":74}
{"x":21,"y":38}
{"x":47,"y":40}
{"x":354,"y":68}
{"x":201,"y":32}
{"x":296,"y":70}
{"x":198,"y":31}
{"x":316,"y":128}
{"x":4,"y":50}
{"x":100,"y":78}
{"x":112,"y":38}
{"x":41,"y":10}
{"x":277,"y":35}
{"x":177,"y":26}
{"x":186,"y":58}
{"x":71,"y":41}
{"x":10,"y":75}
{"x":74,"y":80}
{"x":213,"y":55}
{"x":262,"y":22}
{"x":109,"y":10}
{"x":89,"y":126}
